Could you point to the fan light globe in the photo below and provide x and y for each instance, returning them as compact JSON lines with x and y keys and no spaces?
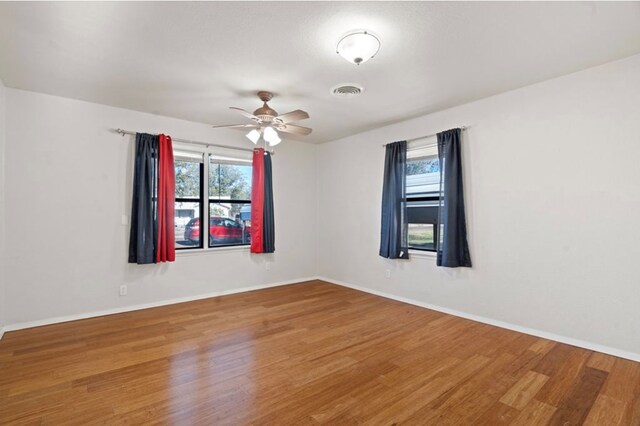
{"x":275,"y":141}
{"x":271,"y":136}
{"x":254,"y":136}
{"x":358,"y":47}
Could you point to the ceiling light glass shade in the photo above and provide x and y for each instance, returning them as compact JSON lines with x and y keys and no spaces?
{"x":275,"y":141}
{"x":271,"y":136}
{"x":358,"y":47}
{"x":269,"y":132}
{"x":254,"y":136}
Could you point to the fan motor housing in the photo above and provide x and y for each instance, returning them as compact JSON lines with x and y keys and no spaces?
{"x":265,"y":111}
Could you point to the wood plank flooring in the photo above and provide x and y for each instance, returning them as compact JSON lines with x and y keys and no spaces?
{"x":305,"y":354}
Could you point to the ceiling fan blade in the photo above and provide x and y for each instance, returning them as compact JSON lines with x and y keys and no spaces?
{"x":246,"y":114}
{"x":296,"y":115}
{"x":292,"y":128}
{"x":237,"y":126}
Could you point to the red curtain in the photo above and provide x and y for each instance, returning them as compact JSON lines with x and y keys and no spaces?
{"x":257,"y":201}
{"x":166,"y":247}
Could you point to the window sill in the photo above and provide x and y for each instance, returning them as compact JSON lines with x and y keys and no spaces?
{"x":422,"y":254}
{"x":202,"y":251}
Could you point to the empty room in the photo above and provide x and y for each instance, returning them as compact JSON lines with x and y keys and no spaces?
{"x":319,"y":213}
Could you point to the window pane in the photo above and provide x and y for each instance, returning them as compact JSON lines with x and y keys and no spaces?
{"x":187,"y":225}
{"x":187,"y":179}
{"x":229,"y":224}
{"x":228,"y":180}
{"x":422,"y":166}
{"x":423,"y":176}
{"x":421,"y":236}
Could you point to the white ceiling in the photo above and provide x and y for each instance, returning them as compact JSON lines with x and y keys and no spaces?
{"x":194,"y":60}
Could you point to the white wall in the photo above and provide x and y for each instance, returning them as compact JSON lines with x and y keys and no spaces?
{"x":553,"y":196}
{"x":552,"y":193}
{"x":3,"y":312}
{"x":68,"y":183}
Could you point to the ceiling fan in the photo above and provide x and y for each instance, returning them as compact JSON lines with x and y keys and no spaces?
{"x":267,"y":123}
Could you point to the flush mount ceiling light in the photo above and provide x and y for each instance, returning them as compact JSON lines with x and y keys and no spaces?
{"x":358,"y":46}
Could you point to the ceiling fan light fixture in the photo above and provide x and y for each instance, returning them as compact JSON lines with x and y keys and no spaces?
{"x":254,"y":136}
{"x":275,"y":141}
{"x":267,"y":122}
{"x":271,"y":136}
{"x":358,"y":47}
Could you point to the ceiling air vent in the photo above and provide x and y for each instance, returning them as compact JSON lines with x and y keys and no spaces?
{"x":347,"y":90}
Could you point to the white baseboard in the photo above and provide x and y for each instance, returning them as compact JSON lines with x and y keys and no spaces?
{"x":1,"y":332}
{"x":526,"y":330}
{"x":56,"y":320}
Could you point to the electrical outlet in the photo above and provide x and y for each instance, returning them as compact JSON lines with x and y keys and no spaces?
{"x":123,"y":290}
{"x":267,"y":266}
{"x":387,"y":273}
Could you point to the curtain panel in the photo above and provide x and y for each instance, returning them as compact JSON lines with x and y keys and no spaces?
{"x":452,"y":249}
{"x":143,"y":232}
{"x":394,"y":226}
{"x":268,"y":220}
{"x":262,"y":217}
{"x":166,"y":251}
{"x":151,"y":237}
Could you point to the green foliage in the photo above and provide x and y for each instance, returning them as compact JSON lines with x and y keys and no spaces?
{"x":187,"y":179}
{"x":226,"y":181}
{"x":216,"y":210}
{"x":420,"y":238}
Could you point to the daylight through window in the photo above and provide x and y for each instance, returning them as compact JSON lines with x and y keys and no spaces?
{"x":227,"y":203}
{"x":423,"y":190}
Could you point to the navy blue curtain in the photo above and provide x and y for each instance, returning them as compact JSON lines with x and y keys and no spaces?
{"x":144,"y":233}
{"x":268,"y":223}
{"x":452,"y":248}
{"x":394,"y":227}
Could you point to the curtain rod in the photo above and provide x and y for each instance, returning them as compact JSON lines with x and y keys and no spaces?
{"x":207,"y":144}
{"x":463,"y":128}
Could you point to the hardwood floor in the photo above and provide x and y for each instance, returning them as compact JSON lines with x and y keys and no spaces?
{"x":310,"y":353}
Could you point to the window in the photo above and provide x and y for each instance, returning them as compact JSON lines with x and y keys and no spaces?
{"x":188,"y":207}
{"x":423,"y":191}
{"x":224,"y":198}
{"x":229,"y":201}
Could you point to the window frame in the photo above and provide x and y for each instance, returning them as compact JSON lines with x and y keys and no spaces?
{"x":218,"y":200}
{"x":204,"y":198}
{"x":201,"y":210}
{"x":423,"y":197}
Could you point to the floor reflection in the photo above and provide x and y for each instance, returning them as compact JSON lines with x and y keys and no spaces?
{"x":210,"y":383}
